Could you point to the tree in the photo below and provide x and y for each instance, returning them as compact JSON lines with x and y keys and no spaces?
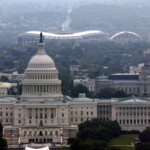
{"x":89,"y":144}
{"x":110,"y":93}
{"x":145,"y":140}
{"x":143,"y":146}
{"x":3,"y":144}
{"x":114,"y":128}
{"x":103,"y":134}
{"x":86,"y":134}
{"x":4,"y":79}
{"x":145,"y":135}
{"x":95,"y":134}
{"x":79,"y":89}
{"x":107,"y":93}
{"x":19,"y":89}
{"x":1,"y":130}
{"x":119,"y":94}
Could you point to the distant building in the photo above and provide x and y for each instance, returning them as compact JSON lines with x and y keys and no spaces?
{"x":89,"y":83}
{"x":74,"y":69}
{"x":126,"y":82}
{"x":5,"y":87}
{"x":131,"y":113}
{"x":125,"y":37}
{"x":14,"y":77}
{"x":92,"y":35}
{"x":134,"y":69}
{"x":146,"y":52}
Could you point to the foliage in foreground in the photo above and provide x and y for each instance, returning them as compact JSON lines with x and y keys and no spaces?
{"x":144,"y":143}
{"x":95,"y":135}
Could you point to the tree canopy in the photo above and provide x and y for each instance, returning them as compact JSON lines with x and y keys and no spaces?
{"x":4,"y":79}
{"x":108,"y":93}
{"x":144,"y":137}
{"x":95,"y":135}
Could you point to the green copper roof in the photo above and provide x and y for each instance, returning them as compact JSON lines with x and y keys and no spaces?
{"x":7,"y":99}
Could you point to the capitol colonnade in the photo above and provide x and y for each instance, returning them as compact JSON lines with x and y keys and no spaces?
{"x":38,"y":89}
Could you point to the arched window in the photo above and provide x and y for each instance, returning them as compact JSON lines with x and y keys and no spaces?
{"x":46,"y":133}
{"x":35,"y":133}
{"x":56,"y":133}
{"x":25,"y":133}
{"x":51,"y":132}
{"x":30,"y":133}
{"x":41,"y":134}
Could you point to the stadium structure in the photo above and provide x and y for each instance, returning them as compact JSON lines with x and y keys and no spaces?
{"x":125,"y":37}
{"x":91,"y":35}
{"x":85,"y":36}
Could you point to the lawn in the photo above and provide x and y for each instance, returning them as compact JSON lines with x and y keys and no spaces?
{"x":125,"y":139}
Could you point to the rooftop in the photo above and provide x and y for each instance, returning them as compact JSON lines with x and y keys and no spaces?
{"x":82,"y":99}
{"x":133,"y":100}
{"x":5,"y":85}
{"x":7,"y":99}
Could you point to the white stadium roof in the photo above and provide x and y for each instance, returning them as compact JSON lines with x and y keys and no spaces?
{"x":66,"y":36}
{"x":125,"y":32}
{"x":45,"y":148}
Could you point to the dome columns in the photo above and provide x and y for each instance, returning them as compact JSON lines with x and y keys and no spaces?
{"x":41,"y":89}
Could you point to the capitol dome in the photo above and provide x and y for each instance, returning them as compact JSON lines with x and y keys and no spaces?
{"x":41,"y":77}
{"x":41,"y":59}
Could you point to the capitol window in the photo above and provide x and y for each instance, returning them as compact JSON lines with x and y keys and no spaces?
{"x":62,"y":114}
{"x":46,"y":133}
{"x":25,"y":133}
{"x":56,"y":133}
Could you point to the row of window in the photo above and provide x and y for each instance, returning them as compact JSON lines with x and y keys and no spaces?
{"x":133,"y":114}
{"x":42,"y":65}
{"x":40,"y":133}
{"x":41,"y":121}
{"x":133,"y":108}
{"x":6,"y":120}
{"x":5,"y":108}
{"x":81,"y":113}
{"x":104,"y":106}
{"x":81,"y":107}
{"x":104,"y":112}
{"x":2,"y":93}
{"x":134,"y":121}
{"x":41,"y":115}
{"x":78,"y":119}
{"x":6,"y":114}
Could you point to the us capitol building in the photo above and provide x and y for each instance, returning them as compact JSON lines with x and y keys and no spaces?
{"x":44,"y":115}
